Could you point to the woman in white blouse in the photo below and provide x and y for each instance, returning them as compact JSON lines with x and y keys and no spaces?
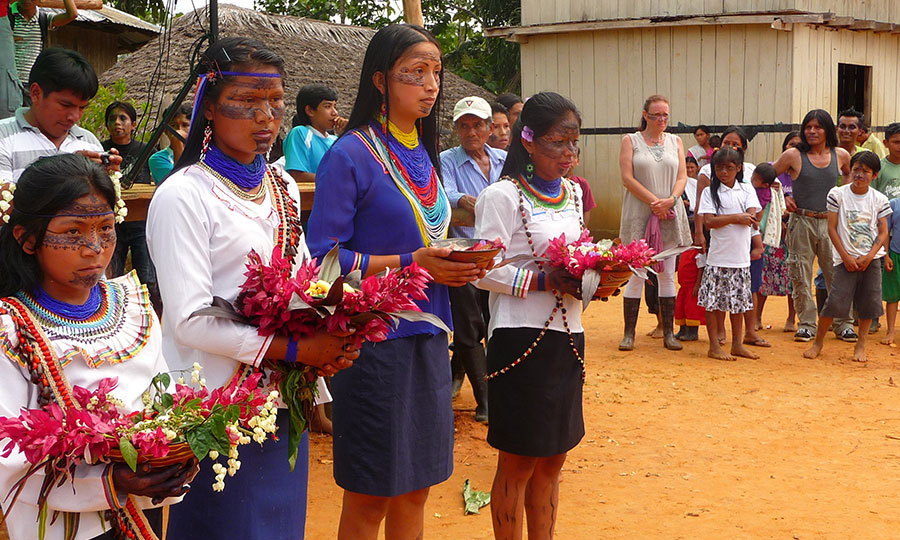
{"x":536,"y":341}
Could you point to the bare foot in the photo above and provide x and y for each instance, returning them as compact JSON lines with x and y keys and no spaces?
{"x":719,"y":354}
{"x":790,"y":325}
{"x":656,"y":333}
{"x":813,"y":350}
{"x":888,"y":339}
{"x":859,"y":354}
{"x":759,"y":325}
{"x":721,"y":340}
{"x":740,"y":350}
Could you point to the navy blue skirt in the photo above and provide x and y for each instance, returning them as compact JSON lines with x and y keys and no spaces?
{"x":393,"y":418}
{"x":263,"y":501}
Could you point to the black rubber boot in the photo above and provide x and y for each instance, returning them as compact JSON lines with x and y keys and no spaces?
{"x":631,"y":307}
{"x":667,"y":314}
{"x":457,"y":372}
{"x":475,"y":363}
{"x":688,"y":333}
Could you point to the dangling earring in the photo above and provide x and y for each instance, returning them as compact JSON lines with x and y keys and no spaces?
{"x":269,"y":151}
{"x":384,"y":118}
{"x":207,"y":136}
{"x":529,"y":171}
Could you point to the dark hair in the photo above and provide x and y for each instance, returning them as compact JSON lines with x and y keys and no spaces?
{"x":825,"y":121}
{"x":703,"y":128}
{"x":312,"y":95}
{"x":541,"y":112}
{"x":386,"y":47}
{"x":497,"y":107}
{"x":892,"y":129}
{"x":508,"y":100}
{"x":726,"y":154}
{"x":787,"y":139}
{"x":228,"y":54}
{"x":868,"y":158}
{"x":853,"y":113}
{"x":127,"y":107}
{"x":46,"y":187}
{"x":691,"y":159}
{"x":185,"y":109}
{"x":766,"y":172}
{"x":737,"y":131}
{"x":652,"y":99}
{"x":715,"y":141}
{"x":59,"y":69}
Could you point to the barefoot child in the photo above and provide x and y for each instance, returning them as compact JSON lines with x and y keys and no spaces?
{"x":729,"y":210}
{"x":890,"y":277}
{"x":857,"y":226}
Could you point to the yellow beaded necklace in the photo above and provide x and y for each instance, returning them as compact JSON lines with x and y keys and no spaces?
{"x":409,"y":140}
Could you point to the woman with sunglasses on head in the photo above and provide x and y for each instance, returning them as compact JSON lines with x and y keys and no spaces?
{"x":654,"y":175}
{"x":222,"y":202}
{"x":379,"y":195}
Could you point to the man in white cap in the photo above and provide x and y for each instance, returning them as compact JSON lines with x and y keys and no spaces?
{"x":468,"y":169}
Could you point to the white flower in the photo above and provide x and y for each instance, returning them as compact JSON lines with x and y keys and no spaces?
{"x":181,"y":379}
{"x":7,"y":196}
{"x":197,"y":367}
{"x":218,"y":468}
{"x":213,"y":455}
{"x":202,"y":382}
{"x":219,"y":485}
{"x":273,"y":395}
{"x":4,"y":206}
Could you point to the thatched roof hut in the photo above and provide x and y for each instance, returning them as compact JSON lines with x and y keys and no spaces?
{"x":314,"y":51}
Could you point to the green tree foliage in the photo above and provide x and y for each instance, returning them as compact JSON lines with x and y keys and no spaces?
{"x":458,"y":25}
{"x":150,"y":10}
{"x":94,"y":121}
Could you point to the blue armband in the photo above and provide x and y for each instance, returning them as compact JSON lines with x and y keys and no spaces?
{"x":542,"y":282}
{"x":406,"y":259}
{"x":291,"y":355}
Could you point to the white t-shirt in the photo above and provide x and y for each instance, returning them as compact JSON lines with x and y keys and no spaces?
{"x":691,"y":190}
{"x":858,"y":217}
{"x":729,"y":246}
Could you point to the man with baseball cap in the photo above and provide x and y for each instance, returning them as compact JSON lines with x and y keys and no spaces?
{"x":467,"y":170}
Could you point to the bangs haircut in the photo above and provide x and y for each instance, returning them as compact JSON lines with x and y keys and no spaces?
{"x":868,"y":158}
{"x":60,"y":69}
{"x":312,"y":95}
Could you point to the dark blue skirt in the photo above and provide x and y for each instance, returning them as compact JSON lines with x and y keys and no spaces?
{"x":263,"y":501}
{"x":393,"y":418}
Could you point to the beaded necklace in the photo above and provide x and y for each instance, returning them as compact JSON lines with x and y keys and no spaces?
{"x":105,"y":321}
{"x":76,"y":312}
{"x":427,"y":197}
{"x":289,"y":230}
{"x":237,"y":190}
{"x":245,"y":176}
{"x":538,"y":197}
{"x":559,"y":307}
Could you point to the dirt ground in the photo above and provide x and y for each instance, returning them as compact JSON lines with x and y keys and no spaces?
{"x":679,"y":446}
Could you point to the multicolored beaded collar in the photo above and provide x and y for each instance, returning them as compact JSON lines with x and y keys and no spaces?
{"x":537,"y":197}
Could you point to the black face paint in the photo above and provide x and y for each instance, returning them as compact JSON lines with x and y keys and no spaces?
{"x":87,"y":281}
{"x":412,"y":79}
{"x":248,"y":111}
{"x":97,"y":239}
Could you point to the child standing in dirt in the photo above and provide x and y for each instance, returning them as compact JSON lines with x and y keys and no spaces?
{"x":855,"y":213}
{"x":890,"y":278}
{"x":729,"y":209}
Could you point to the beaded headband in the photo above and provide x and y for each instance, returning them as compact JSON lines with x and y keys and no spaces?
{"x":7,"y":207}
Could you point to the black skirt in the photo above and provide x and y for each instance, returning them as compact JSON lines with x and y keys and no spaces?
{"x":535,"y":408}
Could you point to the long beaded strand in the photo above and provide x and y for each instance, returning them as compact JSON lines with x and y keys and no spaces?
{"x":559,"y":307}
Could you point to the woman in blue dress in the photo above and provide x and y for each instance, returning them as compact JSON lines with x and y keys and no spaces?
{"x":378,"y":193}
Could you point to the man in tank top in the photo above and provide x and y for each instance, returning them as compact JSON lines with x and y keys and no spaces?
{"x":815,"y":165}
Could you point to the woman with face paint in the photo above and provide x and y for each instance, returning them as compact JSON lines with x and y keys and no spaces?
{"x":222,"y":202}
{"x":654,"y":176}
{"x":535,"y":340}
{"x":379,"y":194}
{"x":56,"y":307}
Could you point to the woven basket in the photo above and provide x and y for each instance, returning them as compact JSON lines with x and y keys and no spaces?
{"x":611,"y":280}
{"x":178,"y":453}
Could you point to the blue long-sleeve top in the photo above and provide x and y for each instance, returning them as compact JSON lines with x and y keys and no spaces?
{"x":358,"y":204}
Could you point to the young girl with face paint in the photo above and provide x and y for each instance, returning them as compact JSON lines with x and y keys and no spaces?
{"x":222,"y":202}
{"x":54,"y":300}
{"x":535,"y":339}
{"x":379,"y":194}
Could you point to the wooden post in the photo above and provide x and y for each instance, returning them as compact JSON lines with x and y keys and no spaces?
{"x":412,"y":12}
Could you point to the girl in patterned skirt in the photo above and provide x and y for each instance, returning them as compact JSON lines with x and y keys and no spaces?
{"x":729,"y":210}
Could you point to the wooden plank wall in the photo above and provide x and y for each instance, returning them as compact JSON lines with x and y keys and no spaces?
{"x":745,"y":79}
{"x":99,"y":48}
{"x":817,"y":52}
{"x":550,"y":11}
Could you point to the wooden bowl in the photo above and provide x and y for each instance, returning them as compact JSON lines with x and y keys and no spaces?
{"x":611,"y":280}
{"x":461,"y":253}
{"x":178,"y":453}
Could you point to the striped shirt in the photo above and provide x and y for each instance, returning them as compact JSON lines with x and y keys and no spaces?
{"x":28,"y":40}
{"x":21,"y":144}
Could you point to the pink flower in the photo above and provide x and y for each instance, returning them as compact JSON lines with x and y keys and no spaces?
{"x":151,"y":443}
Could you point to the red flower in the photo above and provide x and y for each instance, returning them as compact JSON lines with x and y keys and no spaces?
{"x":151,"y":443}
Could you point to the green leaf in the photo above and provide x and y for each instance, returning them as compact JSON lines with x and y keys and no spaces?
{"x":330,"y":268}
{"x":200,"y":440}
{"x":129,"y":453}
{"x":167,"y":400}
{"x":165,"y":380}
{"x":474,"y":499}
{"x":220,"y":441}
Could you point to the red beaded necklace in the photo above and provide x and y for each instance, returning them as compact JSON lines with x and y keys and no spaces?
{"x":558,"y":308}
{"x":287,"y":234}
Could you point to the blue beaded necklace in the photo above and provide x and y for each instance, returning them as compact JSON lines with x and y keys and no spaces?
{"x":246,"y":177}
{"x":547,"y":187}
{"x":74,"y":312}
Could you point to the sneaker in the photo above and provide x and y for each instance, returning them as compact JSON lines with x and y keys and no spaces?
{"x":804,"y":335}
{"x":848,"y":335}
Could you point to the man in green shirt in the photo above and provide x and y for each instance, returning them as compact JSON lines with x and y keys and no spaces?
{"x":869,"y":141}
{"x":888,"y":181}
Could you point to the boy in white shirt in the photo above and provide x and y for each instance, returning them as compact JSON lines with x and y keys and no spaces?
{"x":855,"y":213}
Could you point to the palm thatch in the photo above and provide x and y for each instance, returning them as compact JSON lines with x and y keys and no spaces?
{"x":314,"y":52}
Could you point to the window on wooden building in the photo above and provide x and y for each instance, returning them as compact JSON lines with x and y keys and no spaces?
{"x":855,"y":88}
